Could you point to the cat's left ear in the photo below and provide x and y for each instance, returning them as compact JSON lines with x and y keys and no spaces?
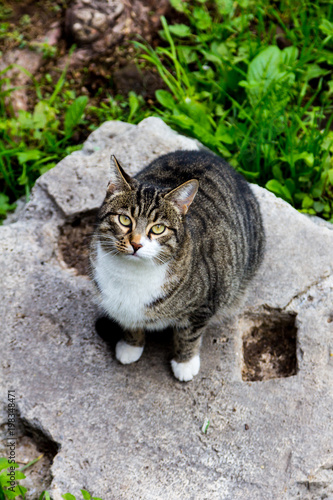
{"x":183,"y":195}
{"x":119,"y":180}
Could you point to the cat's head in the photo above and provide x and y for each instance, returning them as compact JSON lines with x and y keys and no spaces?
{"x":140,"y":221}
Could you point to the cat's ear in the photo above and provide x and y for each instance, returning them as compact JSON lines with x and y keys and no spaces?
{"x":119,"y":180}
{"x":183,"y":195}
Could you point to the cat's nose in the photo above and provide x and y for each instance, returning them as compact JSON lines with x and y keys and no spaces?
{"x":136,"y":246}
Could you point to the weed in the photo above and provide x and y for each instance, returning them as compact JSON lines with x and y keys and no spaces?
{"x":10,"y":477}
{"x":33,"y":142}
{"x":132,"y":109}
{"x":267,"y":109}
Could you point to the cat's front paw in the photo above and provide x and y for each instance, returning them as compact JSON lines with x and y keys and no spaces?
{"x":126,"y":353}
{"x":186,"y":371}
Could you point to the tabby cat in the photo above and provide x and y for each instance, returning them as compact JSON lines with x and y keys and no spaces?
{"x":173,"y":244}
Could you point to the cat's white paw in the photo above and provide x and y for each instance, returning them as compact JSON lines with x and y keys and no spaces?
{"x":126,"y":353}
{"x":186,"y":371}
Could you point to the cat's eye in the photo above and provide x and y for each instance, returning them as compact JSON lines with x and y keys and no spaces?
{"x":158,"y":229}
{"x":124,"y":220}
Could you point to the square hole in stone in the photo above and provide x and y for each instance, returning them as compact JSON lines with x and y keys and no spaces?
{"x":269,"y":345}
{"x":74,"y":241}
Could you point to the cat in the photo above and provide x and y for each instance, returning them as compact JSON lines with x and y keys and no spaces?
{"x":173,"y":245}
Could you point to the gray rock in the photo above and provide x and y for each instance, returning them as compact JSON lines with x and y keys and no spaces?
{"x":101,"y":25}
{"x":88,"y":21}
{"x":134,"y":432}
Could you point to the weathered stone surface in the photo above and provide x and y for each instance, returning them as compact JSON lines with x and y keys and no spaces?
{"x":134,"y":432}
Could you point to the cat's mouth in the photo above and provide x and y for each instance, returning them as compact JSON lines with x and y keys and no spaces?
{"x":133,"y":255}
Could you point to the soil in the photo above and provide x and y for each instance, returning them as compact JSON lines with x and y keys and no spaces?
{"x":269,"y":347}
{"x":74,"y":242}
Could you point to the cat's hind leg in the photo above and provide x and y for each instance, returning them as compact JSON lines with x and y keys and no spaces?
{"x":130,"y":348}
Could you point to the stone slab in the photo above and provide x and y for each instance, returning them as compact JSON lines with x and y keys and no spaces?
{"x":134,"y":432}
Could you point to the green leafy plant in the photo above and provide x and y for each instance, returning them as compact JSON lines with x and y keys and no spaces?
{"x":268,"y":110}
{"x":85,"y":495}
{"x":10,"y":477}
{"x":131,"y":109}
{"x":33,"y":142}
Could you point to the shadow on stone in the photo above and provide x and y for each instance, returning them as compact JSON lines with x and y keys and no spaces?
{"x":74,"y":242}
{"x":108,"y":330}
{"x":269,"y":345}
{"x":111,"y":332}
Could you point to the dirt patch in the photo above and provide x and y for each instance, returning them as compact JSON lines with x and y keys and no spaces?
{"x":74,"y":242}
{"x":269,"y":346}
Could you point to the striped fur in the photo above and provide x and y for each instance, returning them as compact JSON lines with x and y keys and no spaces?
{"x":202,"y":262}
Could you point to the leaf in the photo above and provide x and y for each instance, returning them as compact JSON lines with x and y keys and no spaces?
{"x":45,"y":496}
{"x":330,"y":176}
{"x":25,"y":156}
{"x":68,"y":496}
{"x":292,"y":159}
{"x":265,"y":66}
{"x":18,"y":475}
{"x":226,"y":138}
{"x":197,"y":112}
{"x":202,"y":17}
{"x":134,"y":104}
{"x":22,"y":490}
{"x":42,"y":115}
{"x":178,"y":5}
{"x":307,"y":202}
{"x":24,"y":120}
{"x":180,"y":30}
{"x":277,"y":172}
{"x":86,"y":495}
{"x":289,"y":56}
{"x":266,"y":75}
{"x":4,"y":464}
{"x":318,"y":206}
{"x":314,"y":71}
{"x":74,"y":113}
{"x":222,"y":134}
{"x":18,"y":490}
{"x":278,"y":189}
{"x":46,"y":167}
{"x":10,"y":494}
{"x":252,"y":176}
{"x":165,"y":98}
{"x":226,"y":7}
{"x":2,"y":495}
{"x":326,"y":27}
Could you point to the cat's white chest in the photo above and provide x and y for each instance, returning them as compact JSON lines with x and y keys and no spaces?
{"x":127,"y":287}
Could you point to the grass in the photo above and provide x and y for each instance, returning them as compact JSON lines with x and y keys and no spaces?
{"x":252,"y":80}
{"x":255,"y":85}
{"x":32,"y":142}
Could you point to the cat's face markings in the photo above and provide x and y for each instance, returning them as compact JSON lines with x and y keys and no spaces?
{"x":141,"y":220}
{"x":141,"y":237}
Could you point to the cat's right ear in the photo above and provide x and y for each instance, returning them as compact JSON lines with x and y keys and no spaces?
{"x":119,"y":180}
